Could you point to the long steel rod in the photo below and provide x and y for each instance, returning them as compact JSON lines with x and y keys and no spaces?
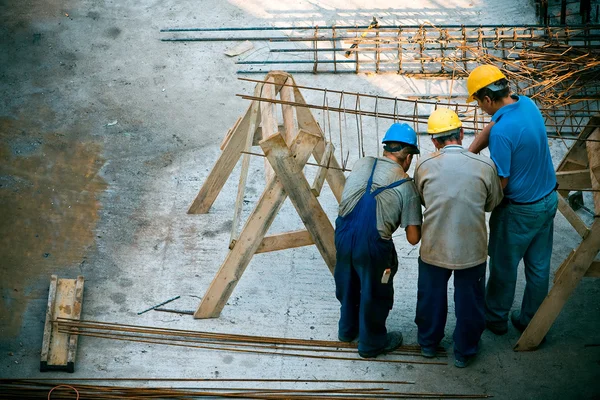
{"x":246,"y":380}
{"x":365,"y":113}
{"x":380,"y":27}
{"x":158,"y":341}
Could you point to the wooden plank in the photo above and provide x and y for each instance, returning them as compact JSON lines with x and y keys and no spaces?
{"x":48,"y":324}
{"x":593,"y":150}
{"x":297,"y":187}
{"x":322,"y":173}
{"x":77,"y":304}
{"x":252,"y":235}
{"x":268,"y":119}
{"x":335,"y":177}
{"x":239,"y":201}
{"x":258,"y":135}
{"x":576,"y":156}
{"x":289,"y":122}
{"x":288,"y":240}
{"x":574,"y":180}
{"x":560,"y":292}
{"x":571,"y":216}
{"x":222,"y":168}
{"x":594,"y":270}
{"x":561,"y":269}
{"x":280,"y":78}
{"x":229,"y":132}
{"x":63,"y":308}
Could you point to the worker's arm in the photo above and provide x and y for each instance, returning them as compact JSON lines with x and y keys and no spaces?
{"x":503,"y":182}
{"x":494,"y":185}
{"x":413,"y":234}
{"x":482,"y":140}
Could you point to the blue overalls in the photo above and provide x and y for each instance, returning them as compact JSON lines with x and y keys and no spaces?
{"x":362,"y":258}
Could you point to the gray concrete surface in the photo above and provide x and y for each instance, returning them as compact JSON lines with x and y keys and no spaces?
{"x":80,"y":195}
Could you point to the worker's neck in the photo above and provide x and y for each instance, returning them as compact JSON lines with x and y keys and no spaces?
{"x":395,"y":159}
{"x":440,"y":146}
{"x":501,"y":103}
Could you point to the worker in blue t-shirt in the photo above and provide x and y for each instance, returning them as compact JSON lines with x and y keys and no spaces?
{"x":521,"y":227}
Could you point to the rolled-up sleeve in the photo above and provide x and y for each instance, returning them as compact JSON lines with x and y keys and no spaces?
{"x":411,"y":207}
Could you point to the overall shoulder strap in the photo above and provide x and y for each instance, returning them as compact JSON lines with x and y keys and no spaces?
{"x":370,"y":182}
{"x":391,"y":186}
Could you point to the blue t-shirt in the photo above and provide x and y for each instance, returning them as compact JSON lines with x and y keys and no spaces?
{"x":519,"y":147}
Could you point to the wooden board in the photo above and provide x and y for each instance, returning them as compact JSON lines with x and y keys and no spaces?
{"x":298,"y":189}
{"x":251,"y":236}
{"x":64,"y":301}
{"x":322,"y":173}
{"x":572,"y":273}
{"x":288,"y":240}
{"x":571,"y":216}
{"x":223,"y":167}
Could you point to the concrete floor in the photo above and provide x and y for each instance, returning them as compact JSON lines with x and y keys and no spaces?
{"x":80,"y":194}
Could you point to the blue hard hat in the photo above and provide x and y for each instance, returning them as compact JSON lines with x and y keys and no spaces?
{"x":401,"y":132}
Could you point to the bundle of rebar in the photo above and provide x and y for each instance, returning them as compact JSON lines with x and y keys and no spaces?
{"x":315,"y":349}
{"x":68,"y":389}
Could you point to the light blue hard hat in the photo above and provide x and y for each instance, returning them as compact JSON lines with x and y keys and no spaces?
{"x":403,"y":133}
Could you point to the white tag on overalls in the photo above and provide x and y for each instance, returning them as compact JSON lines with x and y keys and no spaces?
{"x":386,"y":276}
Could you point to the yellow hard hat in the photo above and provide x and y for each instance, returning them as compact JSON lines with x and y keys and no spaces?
{"x":442,"y":120}
{"x":482,"y":76}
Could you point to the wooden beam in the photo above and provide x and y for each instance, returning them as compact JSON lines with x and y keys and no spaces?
{"x":335,"y":177}
{"x":561,"y":269}
{"x":289,"y":122}
{"x":229,"y":132}
{"x":574,"y":180}
{"x":284,"y":241}
{"x":268,"y":119}
{"x":593,"y":150}
{"x":222,"y":168}
{"x":258,"y":135}
{"x":239,"y":201}
{"x":594,"y":270}
{"x":77,"y":304}
{"x":64,"y":301}
{"x":251,"y":235}
{"x":566,"y":283}
{"x":48,"y":324}
{"x":289,"y":173}
{"x":571,"y":216}
{"x":322,"y":172}
{"x":576,"y":157}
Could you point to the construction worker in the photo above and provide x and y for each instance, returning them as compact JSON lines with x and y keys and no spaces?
{"x":456,"y":188}
{"x":521,"y":228}
{"x":378,"y":197}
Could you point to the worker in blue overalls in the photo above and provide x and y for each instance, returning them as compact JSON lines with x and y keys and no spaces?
{"x":378,"y":197}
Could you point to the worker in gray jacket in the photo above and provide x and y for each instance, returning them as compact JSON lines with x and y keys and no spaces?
{"x":457,"y":188}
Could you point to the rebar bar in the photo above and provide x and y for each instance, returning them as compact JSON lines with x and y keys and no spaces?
{"x":228,"y":342}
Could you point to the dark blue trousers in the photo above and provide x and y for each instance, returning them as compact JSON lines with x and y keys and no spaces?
{"x":362,"y":258}
{"x":469,"y":305}
{"x":365,"y":301}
